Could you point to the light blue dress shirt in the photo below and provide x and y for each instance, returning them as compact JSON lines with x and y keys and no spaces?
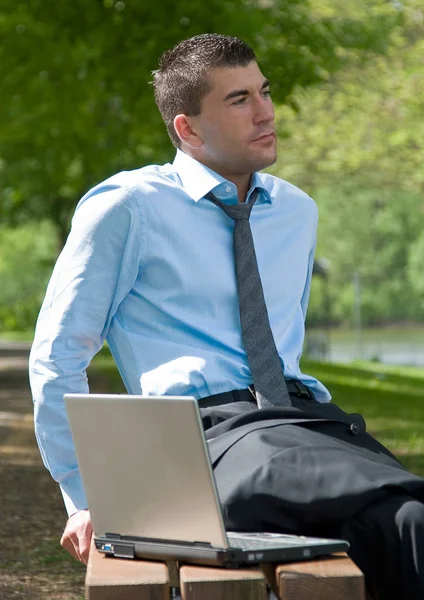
{"x":149,"y":267}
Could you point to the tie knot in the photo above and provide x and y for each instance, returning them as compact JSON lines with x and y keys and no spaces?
{"x":238,"y":212}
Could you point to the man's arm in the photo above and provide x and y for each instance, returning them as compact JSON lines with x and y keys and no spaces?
{"x":307,"y":290}
{"x":95,"y":271}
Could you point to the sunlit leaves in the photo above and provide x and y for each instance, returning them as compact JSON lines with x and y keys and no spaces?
{"x":74,"y":82}
{"x":357,"y":145}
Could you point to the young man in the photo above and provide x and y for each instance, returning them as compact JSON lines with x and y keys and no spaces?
{"x":153,"y":264}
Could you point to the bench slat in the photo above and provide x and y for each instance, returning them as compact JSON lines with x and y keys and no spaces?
{"x":125,"y":579}
{"x":335,"y":578}
{"x":208,"y":583}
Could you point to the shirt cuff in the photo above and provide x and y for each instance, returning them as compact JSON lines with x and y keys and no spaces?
{"x":73,"y":494}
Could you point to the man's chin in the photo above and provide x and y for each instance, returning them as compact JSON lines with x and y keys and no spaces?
{"x":263,"y":162}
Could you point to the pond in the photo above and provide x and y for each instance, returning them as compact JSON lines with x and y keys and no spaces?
{"x":390,"y":345}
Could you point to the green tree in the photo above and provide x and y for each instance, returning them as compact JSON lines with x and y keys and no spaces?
{"x":26,"y":255}
{"x":76,"y":104}
{"x":356,"y":144}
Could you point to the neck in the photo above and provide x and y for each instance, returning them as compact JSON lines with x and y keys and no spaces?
{"x":242,"y":182}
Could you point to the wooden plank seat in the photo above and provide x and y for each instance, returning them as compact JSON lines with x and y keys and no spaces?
{"x":333,"y":578}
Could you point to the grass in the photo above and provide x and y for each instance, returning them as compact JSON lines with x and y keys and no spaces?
{"x":48,"y":553}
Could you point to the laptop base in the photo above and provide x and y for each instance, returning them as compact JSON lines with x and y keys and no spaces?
{"x":204,"y":554}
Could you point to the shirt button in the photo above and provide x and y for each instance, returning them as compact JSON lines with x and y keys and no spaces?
{"x":355,"y":429}
{"x":290,"y":366}
{"x":228,"y":189}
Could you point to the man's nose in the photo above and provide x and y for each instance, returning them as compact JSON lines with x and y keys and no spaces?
{"x":264,"y":110}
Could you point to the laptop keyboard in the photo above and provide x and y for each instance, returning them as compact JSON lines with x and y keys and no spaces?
{"x":264,"y":541}
{"x":245,"y":542}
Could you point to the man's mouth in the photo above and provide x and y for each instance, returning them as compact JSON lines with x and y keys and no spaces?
{"x":266,"y":137}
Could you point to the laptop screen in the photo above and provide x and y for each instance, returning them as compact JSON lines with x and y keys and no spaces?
{"x":145,"y":467}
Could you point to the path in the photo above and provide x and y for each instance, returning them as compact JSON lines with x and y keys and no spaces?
{"x":32,"y":564}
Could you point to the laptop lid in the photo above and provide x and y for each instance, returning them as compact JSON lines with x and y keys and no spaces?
{"x":145,"y":467}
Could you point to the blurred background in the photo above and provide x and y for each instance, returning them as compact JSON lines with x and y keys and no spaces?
{"x":347,"y":80}
{"x":76,"y":106}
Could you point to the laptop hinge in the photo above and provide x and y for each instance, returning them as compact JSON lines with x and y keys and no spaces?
{"x":202,"y":544}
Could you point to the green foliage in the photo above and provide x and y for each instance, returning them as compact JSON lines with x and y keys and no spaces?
{"x":80,"y":108}
{"x":369,"y":232}
{"x":415,"y":266}
{"x":357,"y":146}
{"x":26,"y":259}
{"x":76,"y":78}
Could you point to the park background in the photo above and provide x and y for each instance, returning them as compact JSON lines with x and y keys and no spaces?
{"x":347,"y":79}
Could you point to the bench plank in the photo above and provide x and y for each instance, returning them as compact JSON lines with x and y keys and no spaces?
{"x":125,"y":579}
{"x":208,"y":583}
{"x":333,"y":578}
{"x":337,"y":578}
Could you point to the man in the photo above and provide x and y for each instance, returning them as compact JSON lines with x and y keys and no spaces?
{"x":149,"y":266}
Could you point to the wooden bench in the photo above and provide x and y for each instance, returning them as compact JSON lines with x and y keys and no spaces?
{"x":333,"y":578}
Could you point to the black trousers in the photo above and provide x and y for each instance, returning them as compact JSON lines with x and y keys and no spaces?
{"x":312,"y":469}
{"x":387,"y":544}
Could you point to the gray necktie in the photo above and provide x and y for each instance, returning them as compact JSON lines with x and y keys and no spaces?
{"x":262,"y":355}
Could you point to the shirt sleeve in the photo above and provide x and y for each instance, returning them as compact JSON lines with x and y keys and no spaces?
{"x":307,"y":290}
{"x":95,"y":271}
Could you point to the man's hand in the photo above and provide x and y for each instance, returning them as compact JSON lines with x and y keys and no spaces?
{"x":76,"y":538}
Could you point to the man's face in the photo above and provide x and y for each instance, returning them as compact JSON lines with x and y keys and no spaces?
{"x":236,"y":124}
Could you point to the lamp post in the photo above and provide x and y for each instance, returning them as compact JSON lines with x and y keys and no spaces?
{"x":357,"y":317}
{"x":321,"y":269}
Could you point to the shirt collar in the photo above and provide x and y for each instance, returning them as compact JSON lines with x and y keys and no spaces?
{"x":198,"y":179}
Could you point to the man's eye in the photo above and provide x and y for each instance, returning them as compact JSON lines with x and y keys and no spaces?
{"x":239,"y":102}
{"x":266,"y":93}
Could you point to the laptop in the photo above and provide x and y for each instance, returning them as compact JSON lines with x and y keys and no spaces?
{"x":151,"y":491}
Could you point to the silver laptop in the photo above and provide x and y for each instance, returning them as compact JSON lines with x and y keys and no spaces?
{"x":150,"y":488}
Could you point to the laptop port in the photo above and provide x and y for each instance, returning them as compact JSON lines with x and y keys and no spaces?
{"x":107,"y":547}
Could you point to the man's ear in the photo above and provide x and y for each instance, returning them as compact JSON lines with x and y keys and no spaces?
{"x":186,"y":132}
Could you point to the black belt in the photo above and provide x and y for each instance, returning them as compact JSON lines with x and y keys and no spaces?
{"x":294,"y":386}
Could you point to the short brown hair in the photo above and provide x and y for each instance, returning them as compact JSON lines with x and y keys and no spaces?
{"x":182,"y":78}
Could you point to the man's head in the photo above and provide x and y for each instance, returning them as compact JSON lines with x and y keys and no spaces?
{"x":215,"y":103}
